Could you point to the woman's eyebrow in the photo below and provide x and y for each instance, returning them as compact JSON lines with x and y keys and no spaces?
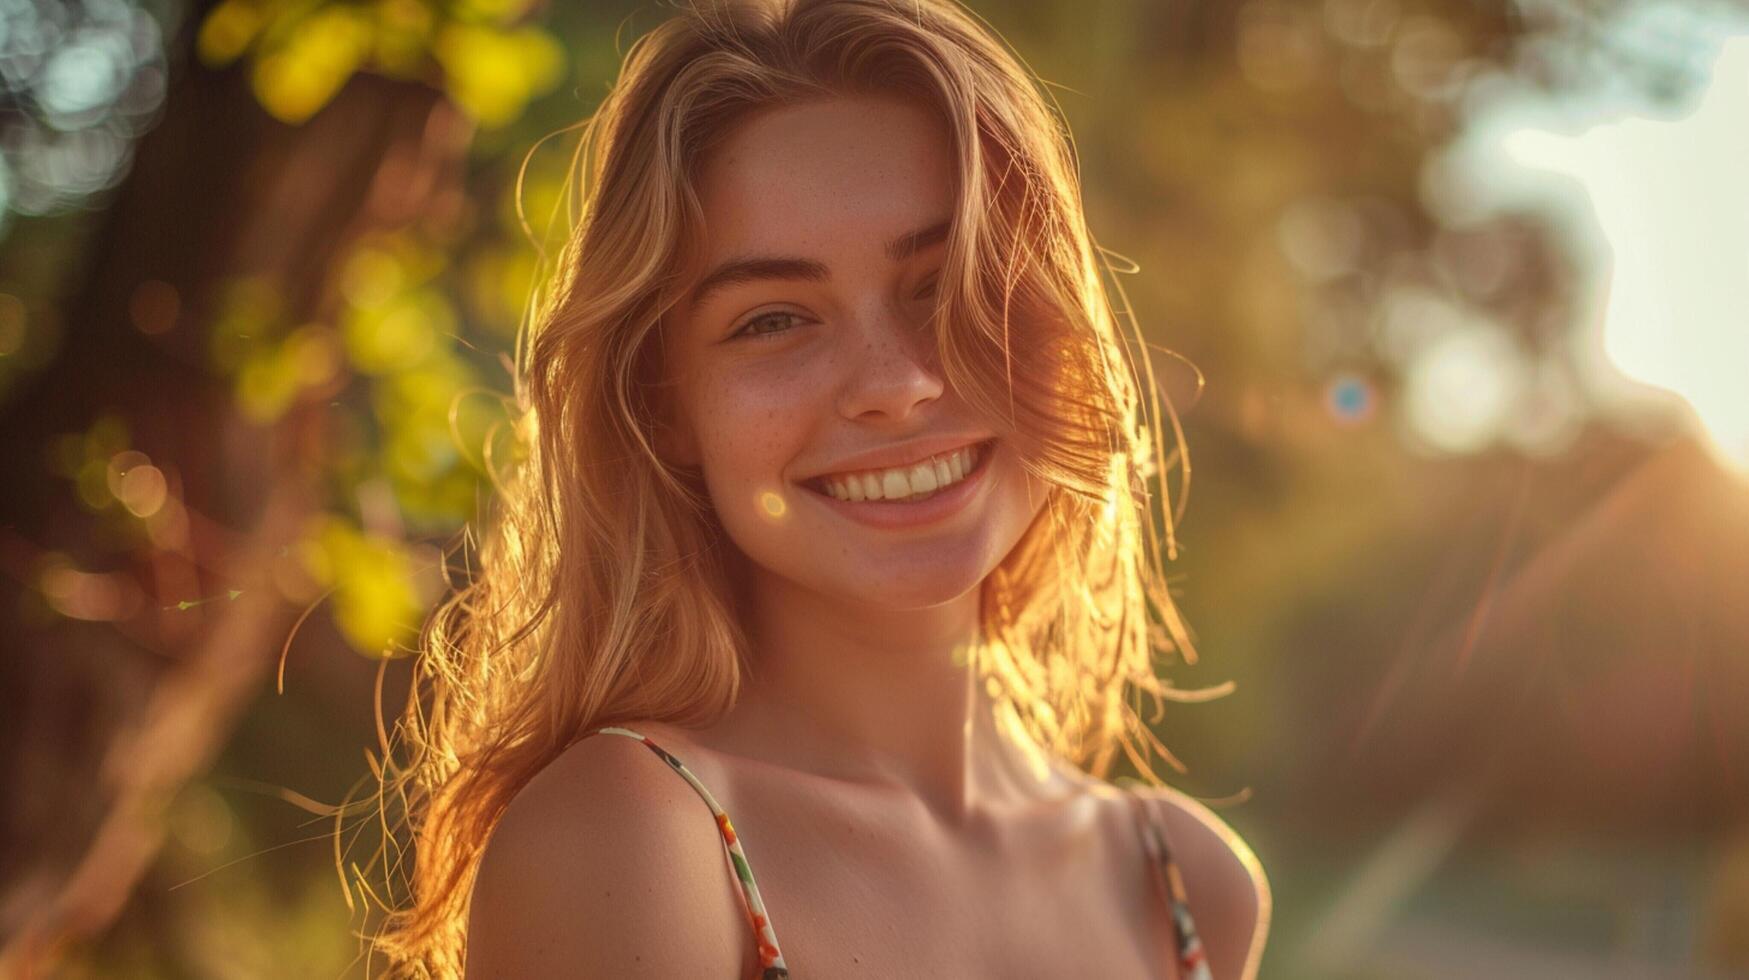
{"x":911,"y":242}
{"x":736,"y":271}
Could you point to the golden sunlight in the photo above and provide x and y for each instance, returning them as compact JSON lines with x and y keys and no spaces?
{"x":1672,"y":205}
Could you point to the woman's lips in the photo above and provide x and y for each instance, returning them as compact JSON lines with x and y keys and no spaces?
{"x":819,"y":483}
{"x":894,"y":514}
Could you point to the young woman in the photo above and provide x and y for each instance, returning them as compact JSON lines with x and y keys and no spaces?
{"x":834,"y":516}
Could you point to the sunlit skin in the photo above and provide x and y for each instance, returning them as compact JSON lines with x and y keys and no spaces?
{"x":774,"y":380}
{"x":890,"y":822}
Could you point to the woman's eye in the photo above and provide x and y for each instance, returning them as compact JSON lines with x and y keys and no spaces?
{"x":928,"y":288}
{"x":750,"y":328}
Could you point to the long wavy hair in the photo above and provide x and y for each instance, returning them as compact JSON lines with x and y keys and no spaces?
{"x":599,"y":594}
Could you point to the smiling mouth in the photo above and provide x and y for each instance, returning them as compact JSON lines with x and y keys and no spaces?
{"x":904,"y":484}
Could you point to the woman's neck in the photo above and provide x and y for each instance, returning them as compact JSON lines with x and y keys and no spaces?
{"x":876,"y":696}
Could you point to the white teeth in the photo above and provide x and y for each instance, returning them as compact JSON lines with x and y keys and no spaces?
{"x":924,"y":478}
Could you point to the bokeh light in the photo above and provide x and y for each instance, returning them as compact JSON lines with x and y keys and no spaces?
{"x":772,"y":504}
{"x":79,"y":82}
{"x":1462,"y":388}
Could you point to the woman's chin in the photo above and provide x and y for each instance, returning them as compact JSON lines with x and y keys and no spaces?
{"x":936,"y":587}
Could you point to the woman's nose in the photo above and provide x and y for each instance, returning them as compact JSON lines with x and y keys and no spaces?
{"x":890,"y":367}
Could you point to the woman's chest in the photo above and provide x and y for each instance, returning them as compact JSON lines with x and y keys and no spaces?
{"x":870,"y":897}
{"x":994,"y":936}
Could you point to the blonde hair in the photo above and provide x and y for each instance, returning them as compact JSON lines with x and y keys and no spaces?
{"x":600,"y":594}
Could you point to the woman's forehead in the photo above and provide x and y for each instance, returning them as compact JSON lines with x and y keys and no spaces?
{"x":828,"y":174}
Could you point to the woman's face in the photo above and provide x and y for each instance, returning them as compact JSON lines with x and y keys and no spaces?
{"x":803,"y":364}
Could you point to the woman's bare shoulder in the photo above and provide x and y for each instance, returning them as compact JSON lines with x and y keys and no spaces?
{"x":1229,"y":893}
{"x":605,"y":863}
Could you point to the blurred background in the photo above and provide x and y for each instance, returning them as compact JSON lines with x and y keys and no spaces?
{"x":1464,"y":283}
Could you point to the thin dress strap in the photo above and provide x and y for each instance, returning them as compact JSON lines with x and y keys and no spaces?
{"x":1192,"y":960}
{"x":771,"y":962}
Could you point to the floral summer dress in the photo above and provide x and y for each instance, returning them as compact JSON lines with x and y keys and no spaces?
{"x":1192,"y":964}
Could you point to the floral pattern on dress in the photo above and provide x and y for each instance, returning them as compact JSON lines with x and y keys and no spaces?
{"x":771,"y":964}
{"x":1192,"y":960}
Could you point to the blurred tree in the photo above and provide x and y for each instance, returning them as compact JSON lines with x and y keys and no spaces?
{"x":220,"y":313}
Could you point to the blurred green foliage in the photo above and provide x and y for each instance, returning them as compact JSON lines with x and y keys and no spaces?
{"x":301,"y":53}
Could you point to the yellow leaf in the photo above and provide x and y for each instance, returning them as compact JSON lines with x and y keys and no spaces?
{"x":309,"y":66}
{"x":492,"y":74}
{"x":403,"y":37}
{"x":501,"y":11}
{"x":377,"y":605}
{"x":399,"y":335}
{"x":227,"y":31}
{"x":376,"y":601}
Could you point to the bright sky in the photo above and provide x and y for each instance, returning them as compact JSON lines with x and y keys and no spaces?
{"x":1672,"y":199}
{"x":1657,"y":213}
